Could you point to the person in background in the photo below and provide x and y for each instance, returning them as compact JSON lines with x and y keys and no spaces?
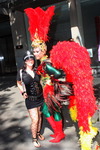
{"x":29,"y":85}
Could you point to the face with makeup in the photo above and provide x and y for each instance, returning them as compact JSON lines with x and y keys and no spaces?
{"x":38,"y":53}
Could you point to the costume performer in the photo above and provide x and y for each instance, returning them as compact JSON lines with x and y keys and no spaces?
{"x":39,"y":21}
{"x":74,"y":60}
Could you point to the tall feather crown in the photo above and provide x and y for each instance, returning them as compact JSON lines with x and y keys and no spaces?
{"x":39,"y":22}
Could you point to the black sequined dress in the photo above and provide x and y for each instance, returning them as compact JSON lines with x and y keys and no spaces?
{"x":33,"y":89}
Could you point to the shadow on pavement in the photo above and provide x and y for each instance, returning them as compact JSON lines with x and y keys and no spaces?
{"x":11,"y":130}
{"x":7,"y":82}
{"x":14,"y":129}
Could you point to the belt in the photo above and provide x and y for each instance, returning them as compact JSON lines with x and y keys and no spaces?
{"x":32,"y":98}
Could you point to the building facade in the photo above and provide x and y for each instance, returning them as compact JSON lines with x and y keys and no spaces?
{"x":77,"y":19}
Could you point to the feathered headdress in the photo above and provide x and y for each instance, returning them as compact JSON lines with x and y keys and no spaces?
{"x":39,"y":22}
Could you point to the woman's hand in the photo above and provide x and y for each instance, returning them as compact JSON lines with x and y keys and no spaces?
{"x":25,"y":95}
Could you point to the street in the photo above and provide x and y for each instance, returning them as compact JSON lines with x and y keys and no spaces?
{"x":15,"y":131}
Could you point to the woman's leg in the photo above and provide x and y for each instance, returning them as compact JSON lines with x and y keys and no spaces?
{"x":41,"y":137}
{"x":34,"y":118}
{"x":34,"y":115}
{"x":40,"y":119}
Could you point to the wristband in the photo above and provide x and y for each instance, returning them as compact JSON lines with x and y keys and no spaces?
{"x":23,"y":93}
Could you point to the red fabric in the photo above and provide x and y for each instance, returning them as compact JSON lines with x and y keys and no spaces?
{"x":48,"y":93}
{"x":48,"y":89}
{"x":40,"y":70}
{"x":39,"y":20}
{"x":75,"y":61}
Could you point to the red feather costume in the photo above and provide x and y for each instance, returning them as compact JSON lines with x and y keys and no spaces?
{"x":39,"y":22}
{"x":75,"y":61}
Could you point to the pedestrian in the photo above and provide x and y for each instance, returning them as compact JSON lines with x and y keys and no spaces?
{"x":29,"y":85}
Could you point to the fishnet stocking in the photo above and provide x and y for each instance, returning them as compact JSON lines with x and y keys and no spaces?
{"x":35,"y":116}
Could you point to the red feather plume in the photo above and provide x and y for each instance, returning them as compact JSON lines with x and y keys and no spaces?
{"x":75,"y":61}
{"x":39,"y":22}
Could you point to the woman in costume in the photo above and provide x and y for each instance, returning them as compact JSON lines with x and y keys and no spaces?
{"x":74,"y":60}
{"x":29,"y":85}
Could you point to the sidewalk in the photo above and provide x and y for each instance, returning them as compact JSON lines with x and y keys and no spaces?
{"x":15,"y":123}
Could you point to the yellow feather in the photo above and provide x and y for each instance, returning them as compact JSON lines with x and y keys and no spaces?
{"x":86,"y":137}
{"x":73,"y":113}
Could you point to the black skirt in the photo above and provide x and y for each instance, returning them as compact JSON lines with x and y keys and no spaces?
{"x":34,"y":101}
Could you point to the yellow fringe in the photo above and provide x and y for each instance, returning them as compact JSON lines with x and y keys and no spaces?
{"x":86,"y":137}
{"x":73,"y":113}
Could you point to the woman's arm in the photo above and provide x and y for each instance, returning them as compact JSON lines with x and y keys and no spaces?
{"x":19,"y":84}
{"x":52,"y":71}
{"x":24,"y":94}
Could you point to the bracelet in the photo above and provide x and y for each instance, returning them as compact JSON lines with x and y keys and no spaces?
{"x":23,"y":93}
